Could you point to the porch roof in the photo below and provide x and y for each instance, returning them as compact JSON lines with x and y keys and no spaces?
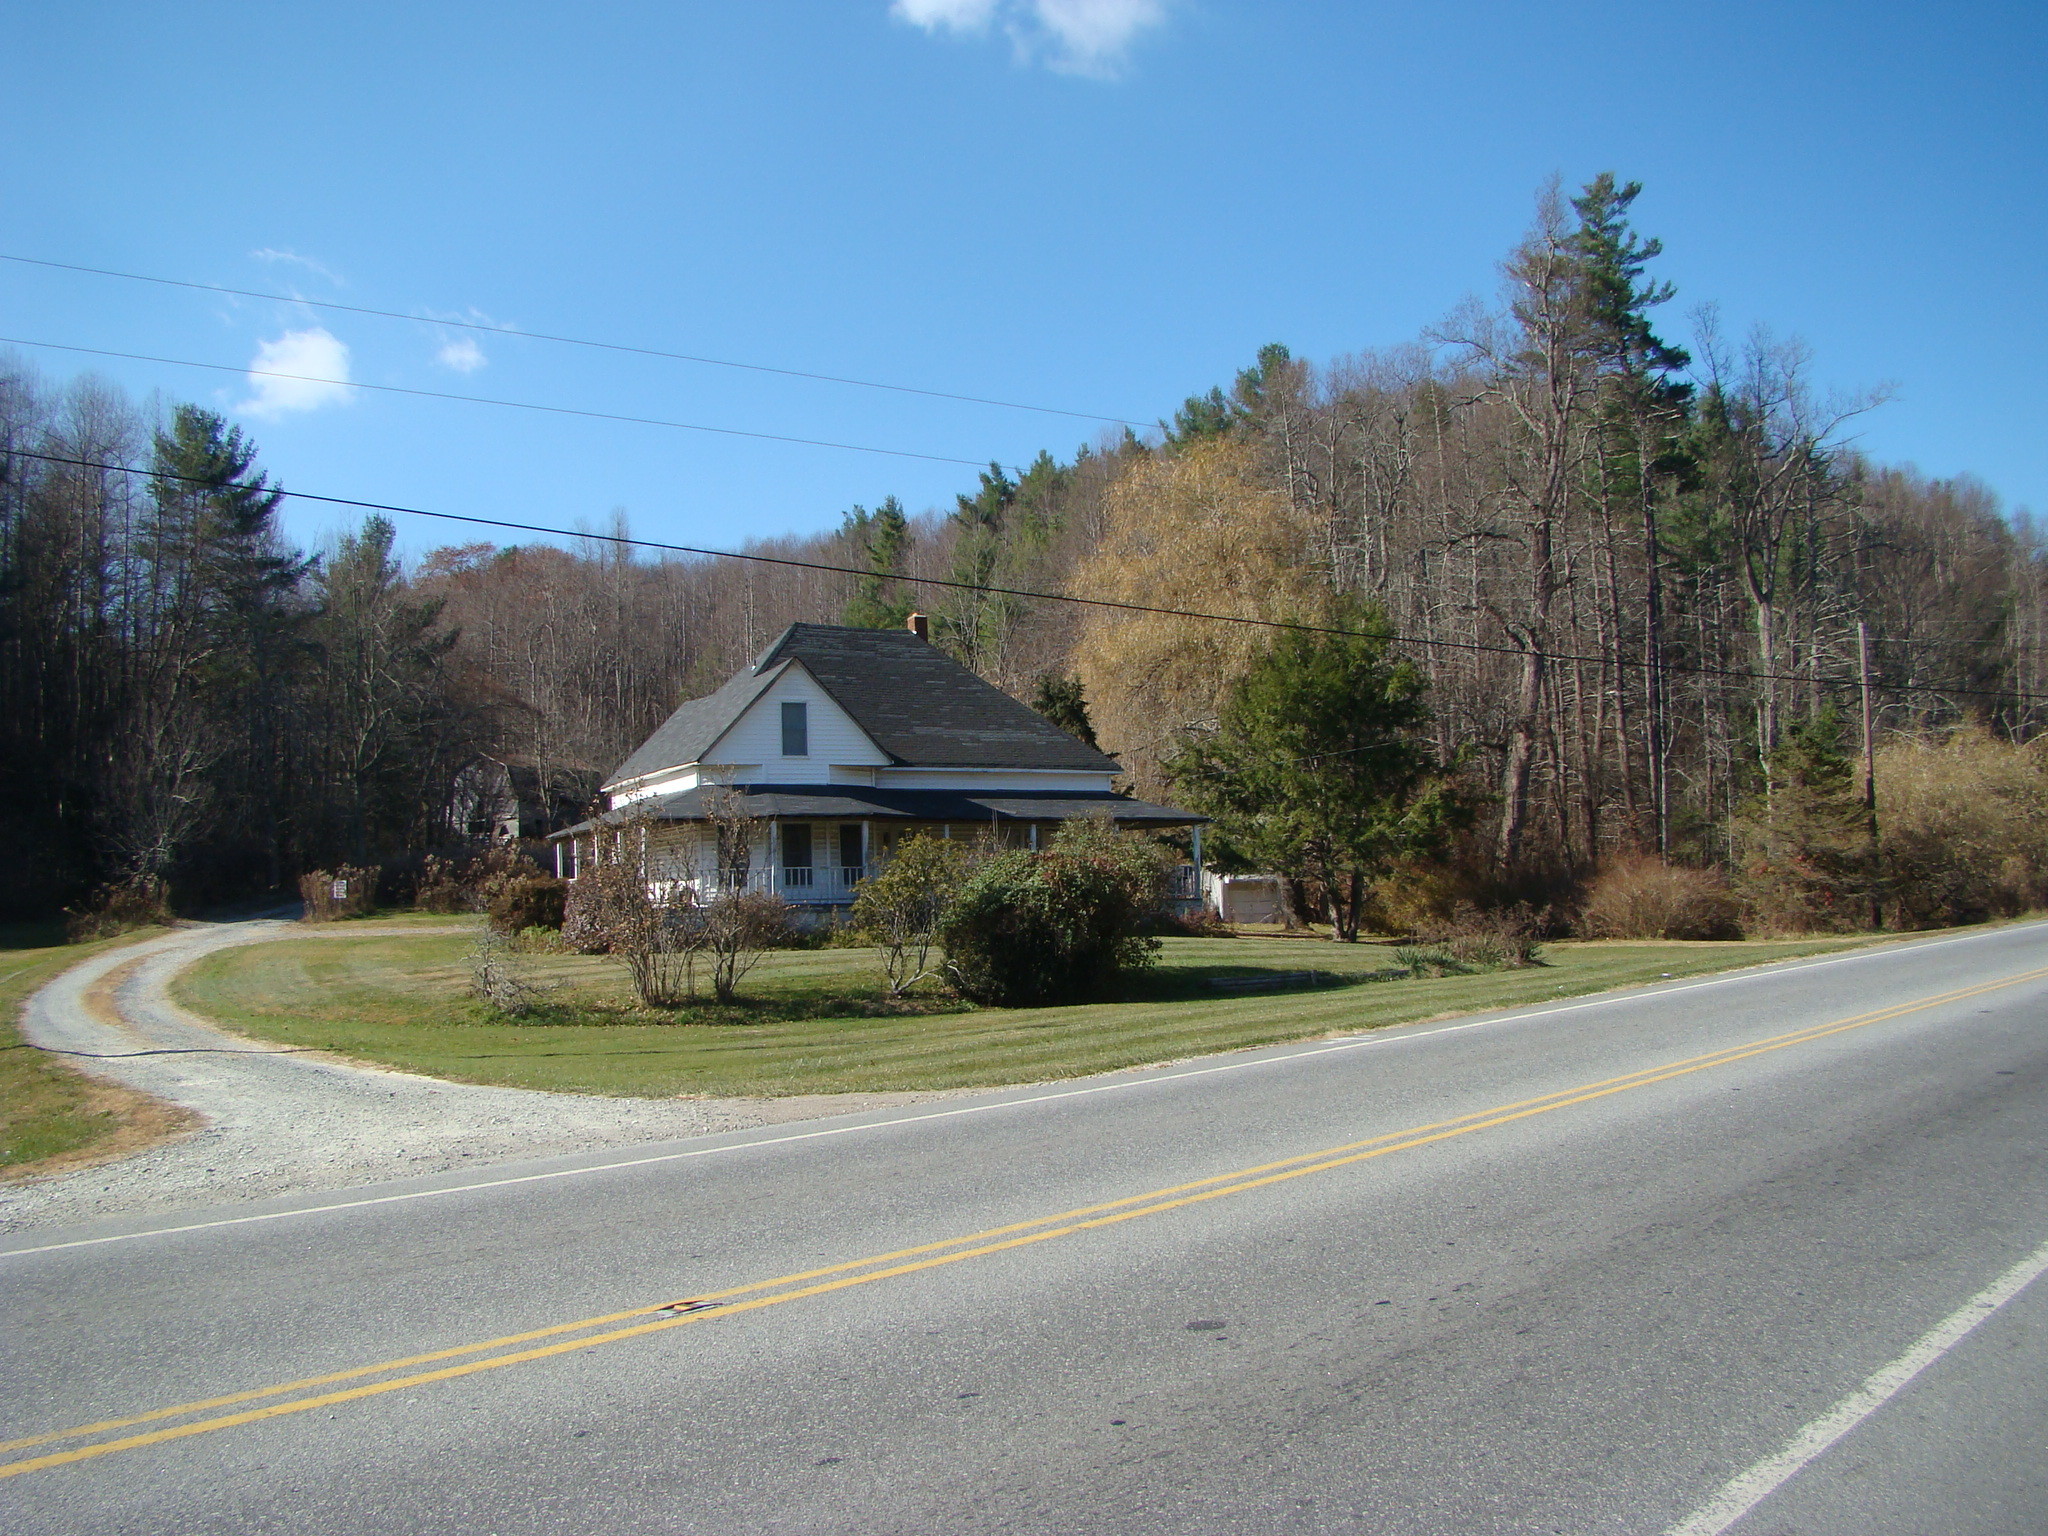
{"x":853,"y":802}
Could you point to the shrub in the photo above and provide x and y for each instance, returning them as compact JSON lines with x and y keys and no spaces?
{"x":583,"y":925}
{"x":125,"y":905}
{"x":1642,"y":897}
{"x":346,"y":891}
{"x":440,"y":887}
{"x":736,"y":929}
{"x":1429,"y":960}
{"x":1963,"y":823}
{"x":610,"y":911}
{"x":497,"y":979}
{"x":1504,"y":938}
{"x":526,"y":901}
{"x":447,"y":884}
{"x":1055,"y":926}
{"x":900,"y":910}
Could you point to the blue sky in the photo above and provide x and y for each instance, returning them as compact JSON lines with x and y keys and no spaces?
{"x":1097,"y":205}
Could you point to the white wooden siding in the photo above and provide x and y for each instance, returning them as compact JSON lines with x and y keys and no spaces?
{"x":988,"y":780}
{"x":756,"y":737}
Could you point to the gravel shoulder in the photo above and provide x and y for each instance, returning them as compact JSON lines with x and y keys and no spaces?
{"x":248,"y":1120}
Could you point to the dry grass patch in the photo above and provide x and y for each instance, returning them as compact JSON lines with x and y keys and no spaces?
{"x":52,"y":1116}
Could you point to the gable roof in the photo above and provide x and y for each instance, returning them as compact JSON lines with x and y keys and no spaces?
{"x":686,"y":735}
{"x":915,"y":702}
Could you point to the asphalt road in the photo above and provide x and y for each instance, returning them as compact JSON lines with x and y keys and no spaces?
{"x":1569,"y":1270}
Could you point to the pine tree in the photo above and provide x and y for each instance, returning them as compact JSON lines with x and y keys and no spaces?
{"x":1317,"y":768}
{"x":1061,"y":700}
{"x":880,"y":540}
{"x":213,"y":674}
{"x":1639,"y":455}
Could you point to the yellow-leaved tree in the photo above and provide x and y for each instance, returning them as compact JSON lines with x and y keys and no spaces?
{"x":1192,"y":528}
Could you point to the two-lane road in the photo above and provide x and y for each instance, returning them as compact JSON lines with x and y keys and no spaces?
{"x":1622,"y":1264}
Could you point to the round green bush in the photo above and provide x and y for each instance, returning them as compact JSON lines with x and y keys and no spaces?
{"x":1052,"y":927}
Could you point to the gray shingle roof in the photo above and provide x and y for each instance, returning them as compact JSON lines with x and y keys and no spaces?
{"x":686,"y":735}
{"x":917,"y":704}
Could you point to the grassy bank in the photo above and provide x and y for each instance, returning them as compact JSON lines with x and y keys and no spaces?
{"x":48,"y":1110}
{"x":400,"y":999}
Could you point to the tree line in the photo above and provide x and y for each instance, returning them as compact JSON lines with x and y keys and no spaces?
{"x":1633,"y":572}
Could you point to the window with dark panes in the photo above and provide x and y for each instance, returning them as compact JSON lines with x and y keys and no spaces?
{"x":796,"y":845}
{"x":796,"y":730}
{"x":850,"y":850}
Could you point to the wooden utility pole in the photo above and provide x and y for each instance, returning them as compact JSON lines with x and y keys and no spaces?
{"x":1869,"y":767}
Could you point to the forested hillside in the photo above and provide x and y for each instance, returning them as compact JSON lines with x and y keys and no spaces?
{"x":1637,"y":570}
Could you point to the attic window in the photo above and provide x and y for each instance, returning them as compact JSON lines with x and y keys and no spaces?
{"x":796,"y":731}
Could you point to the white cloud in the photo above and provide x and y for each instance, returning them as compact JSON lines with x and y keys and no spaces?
{"x":461,"y":353}
{"x":1089,"y":36}
{"x":317,"y":364}
{"x":295,"y":259}
{"x":952,"y":15}
{"x":460,"y":350}
{"x":1075,"y":37}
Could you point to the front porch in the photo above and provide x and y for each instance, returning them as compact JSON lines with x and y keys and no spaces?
{"x":809,"y":864}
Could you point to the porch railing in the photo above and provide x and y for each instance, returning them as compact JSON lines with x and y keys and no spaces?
{"x":833,"y":884}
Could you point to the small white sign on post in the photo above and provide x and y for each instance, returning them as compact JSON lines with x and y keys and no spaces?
{"x":339,"y":890}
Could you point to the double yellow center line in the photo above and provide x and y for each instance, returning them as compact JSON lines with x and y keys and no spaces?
{"x":610,"y":1328}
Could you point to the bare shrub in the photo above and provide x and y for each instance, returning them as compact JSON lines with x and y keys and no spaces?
{"x":440,"y":887}
{"x":736,"y":930}
{"x":1642,"y":897}
{"x":331,"y":894}
{"x":1964,"y":828}
{"x":122,"y":907}
{"x":526,"y":901}
{"x":654,"y":934}
{"x":583,"y":913}
{"x":499,"y":980}
{"x":1505,"y":938}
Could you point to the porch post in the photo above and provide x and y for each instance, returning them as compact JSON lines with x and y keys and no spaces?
{"x":1195,"y":842}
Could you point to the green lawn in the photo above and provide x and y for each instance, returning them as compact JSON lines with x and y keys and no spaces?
{"x":400,"y":999}
{"x":46,"y":1108}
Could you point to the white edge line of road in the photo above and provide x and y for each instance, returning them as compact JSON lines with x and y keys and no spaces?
{"x":1377,"y":1038}
{"x":1742,"y":1494}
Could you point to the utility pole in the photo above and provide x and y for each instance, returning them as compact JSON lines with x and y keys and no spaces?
{"x":1869,"y":767}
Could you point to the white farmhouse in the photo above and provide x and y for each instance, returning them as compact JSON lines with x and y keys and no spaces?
{"x":839,"y":743}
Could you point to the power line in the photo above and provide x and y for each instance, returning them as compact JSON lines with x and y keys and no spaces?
{"x":576,"y":341}
{"x":1425,"y":642}
{"x":516,"y":405}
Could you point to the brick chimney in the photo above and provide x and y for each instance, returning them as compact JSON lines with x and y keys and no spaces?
{"x":919,"y":626}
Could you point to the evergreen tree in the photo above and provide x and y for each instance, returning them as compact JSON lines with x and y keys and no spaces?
{"x":1061,"y":701}
{"x":974,"y":623}
{"x":1805,"y":859}
{"x":1317,"y":768}
{"x":1217,"y":414}
{"x":1639,"y":453}
{"x":880,"y":540}
{"x":205,"y":746}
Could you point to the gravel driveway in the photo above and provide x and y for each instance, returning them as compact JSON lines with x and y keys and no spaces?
{"x":282,"y":1121}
